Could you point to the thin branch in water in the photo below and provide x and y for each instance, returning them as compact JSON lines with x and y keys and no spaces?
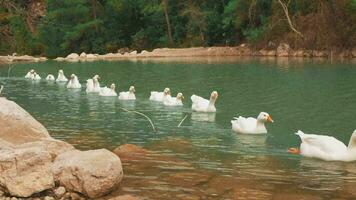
{"x":181,"y":122}
{"x":8,"y":71}
{"x":1,"y":88}
{"x":139,"y":113}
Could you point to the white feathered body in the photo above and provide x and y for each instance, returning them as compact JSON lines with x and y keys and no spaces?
{"x":248,"y":125}
{"x":74,"y":83}
{"x":325,"y":147}
{"x":172,"y":101}
{"x":50,"y":77}
{"x":93,"y":86}
{"x":36,"y":77}
{"x":29,"y":75}
{"x":127,"y":95}
{"x":200,"y":104}
{"x":61,"y":78}
{"x":107,"y":92}
{"x":158,"y":96}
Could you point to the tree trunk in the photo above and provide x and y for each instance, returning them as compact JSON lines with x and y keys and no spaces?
{"x":169,"y":31}
{"x":285,"y":9}
{"x":93,"y":2}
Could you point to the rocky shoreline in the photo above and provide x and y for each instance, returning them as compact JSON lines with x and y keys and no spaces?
{"x":33,"y":165}
{"x":24,"y":58}
{"x":282,"y":50}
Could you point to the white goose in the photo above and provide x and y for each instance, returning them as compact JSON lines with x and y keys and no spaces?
{"x":30,"y":74}
{"x":129,"y":95}
{"x":36,"y":77}
{"x":73,"y":82}
{"x":160,"y":96}
{"x":325,"y":147}
{"x":50,"y":77}
{"x":61,"y":77}
{"x":174,"y":101}
{"x":203,"y":105}
{"x":108,"y":92}
{"x":251,"y":125}
{"x":93,"y":85}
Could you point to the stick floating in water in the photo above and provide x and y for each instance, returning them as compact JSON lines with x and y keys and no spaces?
{"x":181,"y":122}
{"x":1,"y":88}
{"x":153,"y":126}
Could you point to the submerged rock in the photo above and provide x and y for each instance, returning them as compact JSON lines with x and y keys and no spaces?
{"x":124,"y":197}
{"x":130,"y":149}
{"x":92,"y":173}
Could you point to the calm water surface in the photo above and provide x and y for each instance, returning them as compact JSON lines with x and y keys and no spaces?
{"x":204,"y":159}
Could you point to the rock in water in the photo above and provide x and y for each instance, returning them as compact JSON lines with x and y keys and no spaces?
{"x":124,"y":197}
{"x":92,"y":173}
{"x":17,"y":125}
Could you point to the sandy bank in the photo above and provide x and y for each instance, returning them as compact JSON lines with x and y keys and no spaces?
{"x":24,"y":58}
{"x":283,"y":50}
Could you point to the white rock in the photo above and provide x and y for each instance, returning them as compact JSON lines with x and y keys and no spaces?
{"x":91,"y":56}
{"x":49,"y":198}
{"x":92,"y":173}
{"x":26,"y":171}
{"x":83,"y":55}
{"x":17,"y":125}
{"x":59,"y":59}
{"x":59,"y":192}
{"x":72,"y":56}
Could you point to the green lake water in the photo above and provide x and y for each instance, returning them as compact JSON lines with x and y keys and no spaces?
{"x":210,"y":161}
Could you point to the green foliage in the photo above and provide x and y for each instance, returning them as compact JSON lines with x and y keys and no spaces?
{"x":69,"y":26}
{"x":102,"y":26}
{"x":22,"y":37}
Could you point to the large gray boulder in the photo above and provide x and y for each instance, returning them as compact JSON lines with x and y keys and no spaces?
{"x":26,"y":152}
{"x":92,"y":173}
{"x":31,"y":160}
{"x":26,"y":170}
{"x":18,"y":126}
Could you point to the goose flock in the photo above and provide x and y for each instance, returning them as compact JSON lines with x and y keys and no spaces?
{"x":322,"y":147}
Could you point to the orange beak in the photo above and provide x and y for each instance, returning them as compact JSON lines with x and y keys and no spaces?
{"x":270,"y":118}
{"x":294,"y":151}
